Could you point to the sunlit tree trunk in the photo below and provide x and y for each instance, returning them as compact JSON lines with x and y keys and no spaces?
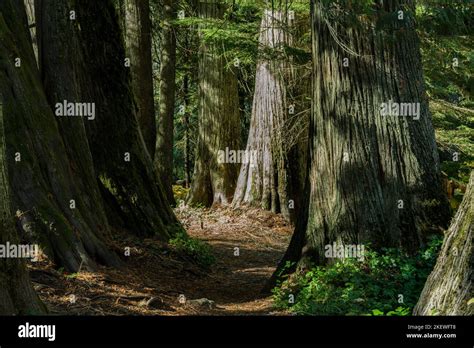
{"x":450,"y":285}
{"x":372,"y":178}
{"x":265,"y":180}
{"x":219,"y":122}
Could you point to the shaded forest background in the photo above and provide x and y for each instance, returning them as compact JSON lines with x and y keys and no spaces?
{"x":135,"y":214}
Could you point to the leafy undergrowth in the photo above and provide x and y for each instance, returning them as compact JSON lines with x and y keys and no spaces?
{"x":180,"y":193}
{"x":448,"y":64}
{"x":385,"y":283}
{"x":455,"y":135}
{"x":194,"y":248}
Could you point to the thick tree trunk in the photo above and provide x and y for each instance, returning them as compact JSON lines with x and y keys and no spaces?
{"x":16,"y":293}
{"x":265,"y":179}
{"x":42,"y":178}
{"x":219,"y":122}
{"x":165,"y":127}
{"x":61,"y":69}
{"x":450,"y":285}
{"x":372,"y":178}
{"x":128,"y":183}
{"x":137,"y":32}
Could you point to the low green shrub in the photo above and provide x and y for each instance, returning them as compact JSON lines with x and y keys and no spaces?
{"x":180,"y":193}
{"x":196,"y":249}
{"x":388,"y":282}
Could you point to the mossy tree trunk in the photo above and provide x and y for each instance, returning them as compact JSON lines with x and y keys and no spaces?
{"x":16,"y":292}
{"x":129,"y":183}
{"x":42,"y":177}
{"x":372,"y":178}
{"x":137,"y":33}
{"x":449,"y":287}
{"x":61,"y":68}
{"x":219,"y":122}
{"x":165,"y":128}
{"x":265,"y":181}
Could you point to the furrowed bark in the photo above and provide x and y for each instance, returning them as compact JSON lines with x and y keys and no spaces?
{"x":16,"y":292}
{"x":372,"y":178}
{"x":264,"y":179}
{"x":42,"y":178}
{"x":449,"y":288}
{"x":219,"y":122}
{"x":61,"y":69}
{"x":129,"y":183}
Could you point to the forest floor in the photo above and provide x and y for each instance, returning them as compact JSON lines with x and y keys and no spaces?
{"x":158,"y":280}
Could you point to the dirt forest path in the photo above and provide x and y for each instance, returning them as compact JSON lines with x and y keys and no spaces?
{"x":155,"y":280}
{"x":247,"y":245}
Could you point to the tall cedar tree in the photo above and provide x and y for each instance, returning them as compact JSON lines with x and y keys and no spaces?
{"x":16,"y":292}
{"x":372,"y":178}
{"x":45,"y":185}
{"x":219,"y":121}
{"x":137,"y":33}
{"x":165,"y":127}
{"x":264,"y":178}
{"x":131,"y":191}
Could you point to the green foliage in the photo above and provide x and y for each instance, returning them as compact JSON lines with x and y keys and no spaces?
{"x":399,"y":311}
{"x":235,"y":38}
{"x":448,"y":64}
{"x":455,"y":134}
{"x":443,"y":17}
{"x":196,"y":249}
{"x":67,"y":275}
{"x":180,"y":193}
{"x":352,"y":287}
